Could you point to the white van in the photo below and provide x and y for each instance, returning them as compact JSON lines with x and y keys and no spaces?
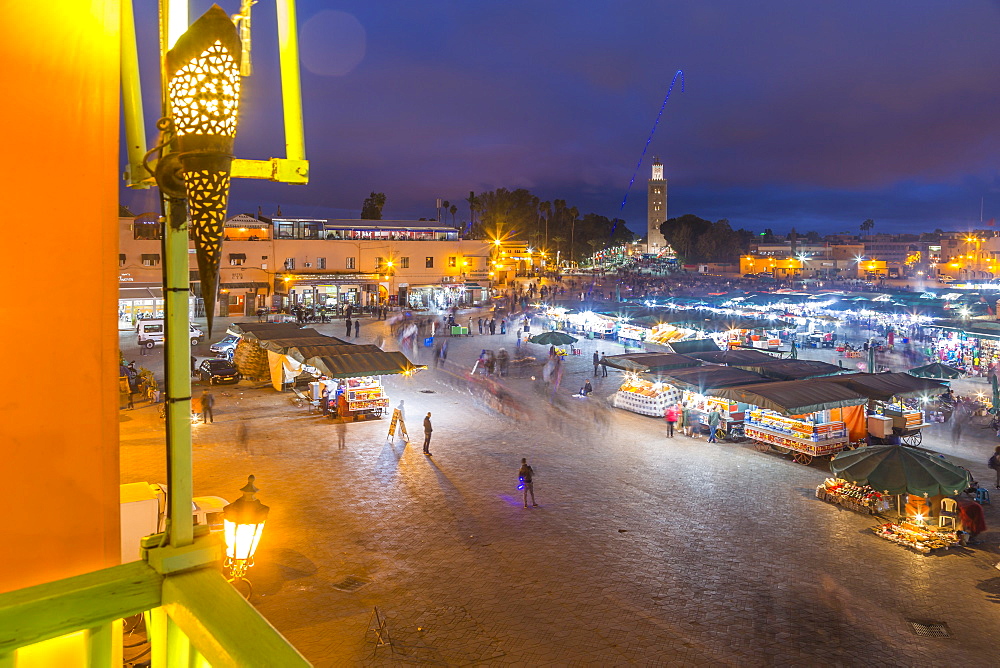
{"x":150,"y":333}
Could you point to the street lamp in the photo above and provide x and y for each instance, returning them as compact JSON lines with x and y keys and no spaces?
{"x":203,"y":85}
{"x":243,"y":521}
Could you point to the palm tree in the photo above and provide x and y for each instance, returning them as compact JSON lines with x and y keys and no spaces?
{"x":445,"y":204}
{"x":545,"y":208}
{"x":454,"y":210}
{"x":573,"y":214}
{"x":558,"y":241}
{"x":594,"y":244}
{"x":867,"y":226}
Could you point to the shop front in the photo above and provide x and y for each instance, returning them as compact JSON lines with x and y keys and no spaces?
{"x":330,"y":291}
{"x":144,"y":301}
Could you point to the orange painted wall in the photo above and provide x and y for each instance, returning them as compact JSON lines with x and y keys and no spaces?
{"x":58,"y":177}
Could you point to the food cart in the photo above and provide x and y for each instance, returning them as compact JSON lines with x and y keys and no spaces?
{"x":359,"y":390}
{"x":895,"y":400}
{"x":804,"y":437}
{"x":802,"y":418}
{"x":362,"y":396}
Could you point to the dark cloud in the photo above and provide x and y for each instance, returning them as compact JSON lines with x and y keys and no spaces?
{"x":826,"y":113}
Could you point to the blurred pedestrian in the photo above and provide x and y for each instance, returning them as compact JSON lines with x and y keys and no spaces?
{"x":428,"y":429}
{"x":341,"y":433}
{"x":357,"y":327}
{"x":604,"y":367}
{"x":670,"y":416}
{"x":525,"y":476}
{"x":597,"y":362}
{"x":349,"y":325}
{"x":994,"y":463}
{"x":713,"y":424}
{"x":207,"y":404}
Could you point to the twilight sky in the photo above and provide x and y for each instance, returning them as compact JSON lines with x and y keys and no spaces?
{"x":797,"y":112}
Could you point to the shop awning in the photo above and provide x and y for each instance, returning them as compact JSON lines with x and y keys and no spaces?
{"x":793,"y":369}
{"x":885,"y":386}
{"x":735,"y":357}
{"x":473,"y":286}
{"x":794,"y":397}
{"x":246,"y":285}
{"x":289,"y":329}
{"x":649,"y":362}
{"x":283,"y":345}
{"x":378,"y":363}
{"x":693,"y":346}
{"x":153,"y":291}
{"x":702,"y":379}
{"x":304,"y":352}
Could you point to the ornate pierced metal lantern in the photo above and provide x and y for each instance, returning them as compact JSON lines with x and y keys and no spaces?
{"x":203,"y":85}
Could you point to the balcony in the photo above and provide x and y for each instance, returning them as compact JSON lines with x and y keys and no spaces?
{"x":193,"y":616}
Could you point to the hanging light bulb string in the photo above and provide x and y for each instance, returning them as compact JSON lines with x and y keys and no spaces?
{"x":679,"y":74}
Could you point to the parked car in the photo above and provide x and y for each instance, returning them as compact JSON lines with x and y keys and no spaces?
{"x":225,"y":347}
{"x":217,"y":371}
{"x":150,"y":332}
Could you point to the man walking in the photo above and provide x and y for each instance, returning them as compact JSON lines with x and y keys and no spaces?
{"x":713,"y":424}
{"x":525,"y":474}
{"x":604,"y":368}
{"x":207,"y":402}
{"x":357,"y":327}
{"x":349,"y":325}
{"x":427,"y":435}
{"x":597,"y":362}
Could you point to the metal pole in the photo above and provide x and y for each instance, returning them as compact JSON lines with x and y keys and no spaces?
{"x":291,"y":89}
{"x":135,"y":123}
{"x":177,"y":353}
{"x":176,"y":340}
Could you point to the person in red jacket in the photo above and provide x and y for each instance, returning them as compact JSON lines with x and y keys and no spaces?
{"x":671,"y":418}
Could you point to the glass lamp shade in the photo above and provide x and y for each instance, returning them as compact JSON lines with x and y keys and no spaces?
{"x":242,"y":539}
{"x":243,"y":522}
{"x":203,"y":85}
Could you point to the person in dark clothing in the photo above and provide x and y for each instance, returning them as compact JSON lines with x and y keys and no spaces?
{"x":525,"y":474}
{"x":349,"y":325}
{"x":428,"y":428}
{"x":604,"y":368}
{"x":207,"y":402}
{"x":597,"y":361}
{"x":493,"y":325}
{"x":357,"y":328}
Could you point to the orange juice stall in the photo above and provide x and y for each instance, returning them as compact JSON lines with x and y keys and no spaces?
{"x":803,"y":418}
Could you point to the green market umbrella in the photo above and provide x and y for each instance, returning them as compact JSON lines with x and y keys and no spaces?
{"x":900,"y":470}
{"x":553,"y":339}
{"x":935,"y":370}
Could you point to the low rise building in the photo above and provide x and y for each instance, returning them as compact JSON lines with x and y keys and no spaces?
{"x":288,"y":262}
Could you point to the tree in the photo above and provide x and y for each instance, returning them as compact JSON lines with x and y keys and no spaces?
{"x":867,"y":226}
{"x":372,"y":208}
{"x":445,"y":205}
{"x":454,"y":210}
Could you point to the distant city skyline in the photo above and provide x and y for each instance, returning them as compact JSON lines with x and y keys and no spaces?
{"x":797,"y":116}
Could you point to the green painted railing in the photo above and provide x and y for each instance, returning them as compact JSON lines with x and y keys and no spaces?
{"x":196,"y":617}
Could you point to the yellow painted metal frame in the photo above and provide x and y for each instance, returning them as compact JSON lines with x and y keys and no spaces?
{"x":292,"y":169}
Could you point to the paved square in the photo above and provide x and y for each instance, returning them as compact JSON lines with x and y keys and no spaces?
{"x":644,"y":550}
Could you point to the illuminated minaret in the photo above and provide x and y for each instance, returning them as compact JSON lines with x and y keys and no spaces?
{"x":656,"y":202}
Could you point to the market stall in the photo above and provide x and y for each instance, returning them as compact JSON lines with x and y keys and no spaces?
{"x":699,"y":393}
{"x":925,"y":479}
{"x":804,"y":418}
{"x":359,"y":391}
{"x":896,"y":406}
{"x":859,"y":498}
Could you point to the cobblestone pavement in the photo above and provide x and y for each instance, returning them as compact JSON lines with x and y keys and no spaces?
{"x":643,"y":551}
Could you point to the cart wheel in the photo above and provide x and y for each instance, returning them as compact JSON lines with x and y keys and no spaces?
{"x":802,"y":458}
{"x":720,"y":434}
{"x":913,"y":440}
{"x":761,"y":446}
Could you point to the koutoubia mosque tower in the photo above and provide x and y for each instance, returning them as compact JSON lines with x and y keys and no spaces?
{"x":656,"y":198}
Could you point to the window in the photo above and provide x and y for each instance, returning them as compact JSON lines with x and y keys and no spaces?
{"x":147,"y":229}
{"x":289,"y":264}
{"x":321,"y":263}
{"x":452,"y":261}
{"x":379,"y":263}
{"x":237,"y":259}
{"x":150,"y":259}
{"x":429,"y":262}
{"x":404,"y":263}
{"x":350,"y":263}
{"x":121,"y":259}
